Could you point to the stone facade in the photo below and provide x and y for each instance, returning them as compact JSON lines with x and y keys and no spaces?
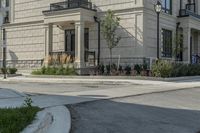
{"x":31,"y":34}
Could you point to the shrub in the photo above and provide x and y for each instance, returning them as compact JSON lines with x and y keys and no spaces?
{"x":162,"y":69}
{"x":138,"y":68}
{"x":185,"y":70}
{"x":128,"y":70}
{"x":4,"y":70}
{"x":108,"y":69}
{"x":114,"y":67}
{"x":54,"y":71}
{"x":12,"y":70}
{"x":37,"y":72}
{"x":167,"y":69}
{"x":144,"y":67}
{"x":120,"y":69}
{"x":28,"y":102}
{"x":101,"y":69}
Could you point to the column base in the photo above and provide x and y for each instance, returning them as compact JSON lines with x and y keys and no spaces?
{"x":80,"y":67}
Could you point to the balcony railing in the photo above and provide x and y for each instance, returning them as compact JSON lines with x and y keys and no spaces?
{"x":64,"y":57}
{"x":61,"y":57}
{"x":191,"y":7}
{"x":185,"y":13}
{"x":70,"y":5}
{"x":6,"y":20}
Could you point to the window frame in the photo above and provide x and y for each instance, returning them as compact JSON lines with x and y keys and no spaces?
{"x":7,"y":3}
{"x":167,"y":43}
{"x":164,"y":7}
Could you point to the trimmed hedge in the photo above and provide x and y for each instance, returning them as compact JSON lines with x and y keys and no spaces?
{"x":9,"y":70}
{"x":166,"y":69}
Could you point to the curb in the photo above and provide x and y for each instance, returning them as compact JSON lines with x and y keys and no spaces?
{"x":107,"y":80}
{"x":51,"y":120}
{"x":114,"y":77}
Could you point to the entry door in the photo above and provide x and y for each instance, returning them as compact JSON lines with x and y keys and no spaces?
{"x":86,"y":43}
{"x":70,"y":41}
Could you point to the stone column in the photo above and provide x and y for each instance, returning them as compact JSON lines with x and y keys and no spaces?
{"x":48,"y":41}
{"x":187,"y":44}
{"x":199,"y":43}
{"x":1,"y":48}
{"x":79,"y":45}
{"x":12,"y":10}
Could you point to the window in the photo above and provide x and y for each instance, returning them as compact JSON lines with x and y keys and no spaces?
{"x":6,"y":18}
{"x":167,"y":6}
{"x":166,"y":43}
{"x":4,"y":3}
{"x":7,"y":3}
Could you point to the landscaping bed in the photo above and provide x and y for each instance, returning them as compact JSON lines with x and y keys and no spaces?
{"x":14,"y":120}
{"x":55,"y":71}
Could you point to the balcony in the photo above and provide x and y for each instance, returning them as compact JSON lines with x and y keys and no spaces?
{"x":70,"y":5}
{"x":6,"y":20}
{"x":190,"y":10}
{"x":186,"y":13}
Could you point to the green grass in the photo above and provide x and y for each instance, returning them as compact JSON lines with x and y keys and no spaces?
{"x":16,"y":119}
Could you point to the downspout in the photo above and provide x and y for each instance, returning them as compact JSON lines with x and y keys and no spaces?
{"x":180,"y":8}
{"x":99,"y":39}
{"x":181,"y":4}
{"x":177,"y":27}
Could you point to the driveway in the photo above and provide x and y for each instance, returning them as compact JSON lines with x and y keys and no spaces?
{"x":165,"y":112}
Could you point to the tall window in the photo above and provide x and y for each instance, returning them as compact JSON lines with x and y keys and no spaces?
{"x":7,"y":3}
{"x":4,"y":3}
{"x":166,"y":43}
{"x":167,"y":6}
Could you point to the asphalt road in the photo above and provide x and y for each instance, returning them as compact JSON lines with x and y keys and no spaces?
{"x":168,"y":112}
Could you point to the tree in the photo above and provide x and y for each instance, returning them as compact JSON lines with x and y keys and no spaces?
{"x":178,"y":49}
{"x":109,"y":28}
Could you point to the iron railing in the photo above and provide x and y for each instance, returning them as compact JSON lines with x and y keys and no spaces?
{"x":90,"y":57}
{"x":190,"y":10}
{"x":185,"y":13}
{"x":191,"y":7}
{"x":62,"y":57}
{"x":70,"y":5}
{"x":71,"y":53}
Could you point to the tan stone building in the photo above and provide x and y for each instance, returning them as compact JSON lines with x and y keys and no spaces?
{"x":38,"y":28}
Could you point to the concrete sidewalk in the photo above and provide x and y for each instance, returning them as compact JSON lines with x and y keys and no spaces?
{"x":94,"y":79}
{"x":182,"y":82}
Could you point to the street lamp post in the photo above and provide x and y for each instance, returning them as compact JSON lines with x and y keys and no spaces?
{"x":3,"y":31}
{"x":158,"y":8}
{"x":4,"y":54}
